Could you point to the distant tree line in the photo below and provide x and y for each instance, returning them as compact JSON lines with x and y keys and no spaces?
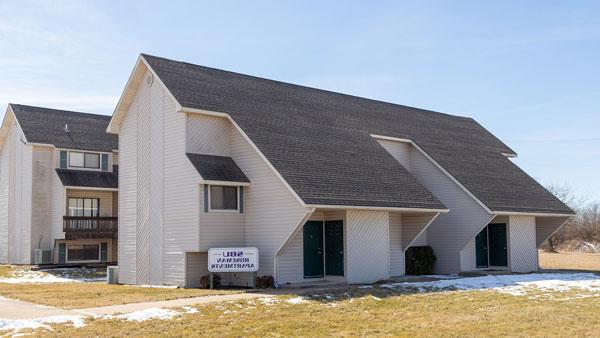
{"x":581,"y":232}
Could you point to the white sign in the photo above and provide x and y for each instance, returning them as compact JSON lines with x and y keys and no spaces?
{"x":233,"y":259}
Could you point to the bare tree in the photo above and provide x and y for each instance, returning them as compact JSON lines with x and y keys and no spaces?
{"x":574,"y":229}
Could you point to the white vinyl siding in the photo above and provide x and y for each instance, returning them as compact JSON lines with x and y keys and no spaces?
{"x":207,"y":135}
{"x":4,"y":205}
{"x":522,"y":249}
{"x":450,"y":232}
{"x":128,"y":196}
{"x":367,"y":246}
{"x":196,"y":266}
{"x":396,"y":247}
{"x":399,"y":150}
{"x":546,"y":226}
{"x":41,"y":204}
{"x":271,"y":211}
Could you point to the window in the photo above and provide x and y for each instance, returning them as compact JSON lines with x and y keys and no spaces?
{"x":87,"y":207}
{"x":86,"y":252}
{"x":84,"y":160}
{"x":223,"y":197}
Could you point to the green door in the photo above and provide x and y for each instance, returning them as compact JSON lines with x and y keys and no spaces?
{"x":498,"y":247}
{"x":334,"y":248}
{"x":481,"y":248}
{"x":313,"y":249}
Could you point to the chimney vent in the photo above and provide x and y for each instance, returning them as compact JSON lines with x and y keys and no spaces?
{"x":67,"y":130}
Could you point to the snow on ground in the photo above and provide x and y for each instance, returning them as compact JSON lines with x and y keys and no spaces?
{"x":152,"y":313}
{"x":67,"y":275}
{"x":297,"y":300}
{"x":512,"y":284}
{"x":16,"y":325}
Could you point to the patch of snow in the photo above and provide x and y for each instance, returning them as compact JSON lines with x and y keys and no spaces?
{"x":16,"y":325}
{"x":29,"y":276}
{"x":269,"y":300}
{"x":190,"y":309}
{"x":157,"y":286}
{"x":67,"y":275}
{"x":587,"y":247}
{"x":297,"y":300}
{"x":512,"y":284}
{"x":152,"y":313}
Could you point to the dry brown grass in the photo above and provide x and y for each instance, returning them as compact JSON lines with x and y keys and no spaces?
{"x":440,"y":314}
{"x":6,"y":271}
{"x":570,"y":261}
{"x":83,"y":295}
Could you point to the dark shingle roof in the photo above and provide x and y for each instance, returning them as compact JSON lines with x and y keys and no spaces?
{"x":320,"y":142}
{"x":217,"y":168}
{"x":89,"y":178}
{"x":45,"y":125}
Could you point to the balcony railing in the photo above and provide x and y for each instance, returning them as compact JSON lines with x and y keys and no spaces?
{"x":90,"y":227}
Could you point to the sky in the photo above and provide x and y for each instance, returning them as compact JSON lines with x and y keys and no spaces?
{"x":528,"y":71}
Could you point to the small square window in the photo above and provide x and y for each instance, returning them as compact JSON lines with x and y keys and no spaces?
{"x":223,"y":197}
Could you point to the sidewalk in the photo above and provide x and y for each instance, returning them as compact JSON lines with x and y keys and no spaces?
{"x":127,"y":308}
{"x":17,"y":309}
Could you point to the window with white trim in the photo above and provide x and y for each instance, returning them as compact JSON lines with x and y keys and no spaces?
{"x":79,"y":159}
{"x":86,"y":207}
{"x":223,"y":197}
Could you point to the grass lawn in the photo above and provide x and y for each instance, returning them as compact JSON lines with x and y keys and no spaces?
{"x":569,"y":260}
{"x":73,"y":295}
{"x":83,"y":295}
{"x":371,"y":312}
{"x":6,"y":270}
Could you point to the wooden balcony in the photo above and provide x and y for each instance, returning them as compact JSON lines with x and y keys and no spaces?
{"x":76,"y":227}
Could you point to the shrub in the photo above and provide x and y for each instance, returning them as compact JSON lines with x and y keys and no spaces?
{"x":419,"y":260}
{"x":265,"y":282}
{"x":205,"y":281}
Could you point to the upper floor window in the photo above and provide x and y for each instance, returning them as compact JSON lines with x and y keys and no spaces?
{"x":86,"y":207}
{"x":223,"y":197}
{"x":84,"y":160}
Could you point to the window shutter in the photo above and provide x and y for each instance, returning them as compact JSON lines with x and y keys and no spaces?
{"x":206,"y":197}
{"x":241,"y":199}
{"x":62,"y":253}
{"x":103,"y":252}
{"x":63,"y":159}
{"x":104,"y":162}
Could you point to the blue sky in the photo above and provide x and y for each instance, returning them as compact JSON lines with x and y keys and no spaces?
{"x":527,"y":71}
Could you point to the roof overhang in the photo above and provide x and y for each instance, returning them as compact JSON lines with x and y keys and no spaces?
{"x":357,"y":207}
{"x":9,"y":117}
{"x":128,"y":94}
{"x":535,"y":214}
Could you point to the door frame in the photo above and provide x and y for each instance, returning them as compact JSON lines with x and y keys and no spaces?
{"x":490,"y":266}
{"x":325,"y":249}
{"x":325,"y":275}
{"x":322,"y":254}
{"x":505,"y":243}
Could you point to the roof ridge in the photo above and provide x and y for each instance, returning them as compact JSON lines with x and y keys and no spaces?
{"x":311,"y":88}
{"x":60,"y":110}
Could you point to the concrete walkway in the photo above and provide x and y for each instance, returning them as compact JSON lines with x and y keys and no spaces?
{"x":132,"y":307}
{"x":17,"y":309}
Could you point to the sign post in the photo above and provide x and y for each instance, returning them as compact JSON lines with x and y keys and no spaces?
{"x":233,"y":260}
